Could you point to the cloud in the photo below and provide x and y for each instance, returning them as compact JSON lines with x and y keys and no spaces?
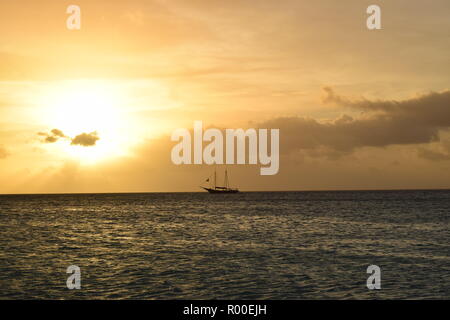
{"x":329,"y":96}
{"x":433,"y":107}
{"x":58,"y":133}
{"x":53,"y":136}
{"x":433,"y":155}
{"x":439,"y":153}
{"x":383,"y":123}
{"x":85,"y":139}
{"x":51,"y":139}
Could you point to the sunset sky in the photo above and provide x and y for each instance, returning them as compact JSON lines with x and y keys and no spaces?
{"x":92,"y":110}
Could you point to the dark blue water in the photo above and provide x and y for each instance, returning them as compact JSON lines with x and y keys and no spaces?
{"x":272,"y":245}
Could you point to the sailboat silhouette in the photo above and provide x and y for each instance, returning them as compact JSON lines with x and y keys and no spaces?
{"x":220,"y":189}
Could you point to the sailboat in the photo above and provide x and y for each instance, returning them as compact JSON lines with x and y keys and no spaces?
{"x":220,"y":189}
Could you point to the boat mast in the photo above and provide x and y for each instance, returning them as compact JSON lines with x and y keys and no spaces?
{"x":226,"y":179}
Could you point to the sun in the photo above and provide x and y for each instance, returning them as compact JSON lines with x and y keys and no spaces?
{"x":85,"y":109}
{"x":85,"y":106}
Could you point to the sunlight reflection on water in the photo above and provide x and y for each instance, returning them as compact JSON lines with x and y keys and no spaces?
{"x":280,"y":245}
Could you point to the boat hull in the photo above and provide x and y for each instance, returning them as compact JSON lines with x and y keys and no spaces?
{"x":210,"y":190}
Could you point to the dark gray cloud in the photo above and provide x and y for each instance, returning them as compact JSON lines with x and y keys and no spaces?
{"x":85,"y":139}
{"x":382,"y":123}
{"x":432,"y":108}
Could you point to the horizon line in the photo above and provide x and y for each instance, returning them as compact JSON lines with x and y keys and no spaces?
{"x":249,"y":191}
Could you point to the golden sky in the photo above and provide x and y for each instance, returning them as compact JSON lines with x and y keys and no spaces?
{"x":92,"y":110}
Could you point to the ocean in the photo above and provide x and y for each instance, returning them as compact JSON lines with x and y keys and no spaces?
{"x":251,"y":245}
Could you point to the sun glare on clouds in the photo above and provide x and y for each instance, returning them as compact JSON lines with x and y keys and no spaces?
{"x":89,"y":107}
